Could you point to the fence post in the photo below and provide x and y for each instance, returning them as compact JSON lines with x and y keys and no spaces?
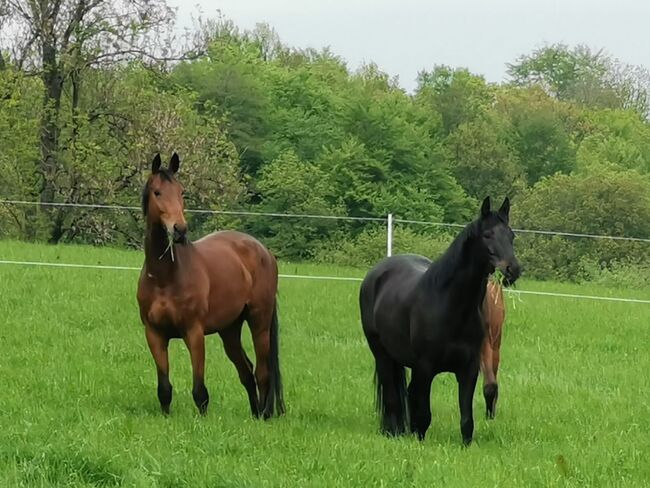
{"x":389,"y":235}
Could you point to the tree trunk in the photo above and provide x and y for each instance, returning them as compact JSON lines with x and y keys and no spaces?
{"x":49,"y":137}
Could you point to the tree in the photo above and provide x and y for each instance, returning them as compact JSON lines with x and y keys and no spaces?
{"x":60,"y":40}
{"x":539,"y":132}
{"x":484,"y":159}
{"x":231,"y":85}
{"x":289,"y":185}
{"x":456,"y":94}
{"x":20,"y":98}
{"x":589,"y":77}
{"x":615,"y":137}
{"x":602,"y":202}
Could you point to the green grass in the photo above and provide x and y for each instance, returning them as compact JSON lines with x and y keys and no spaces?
{"x":78,"y":405}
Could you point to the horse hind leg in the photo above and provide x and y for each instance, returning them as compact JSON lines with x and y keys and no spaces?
{"x":264,"y":327}
{"x":231,"y":338}
{"x":419,"y":393}
{"x":390,"y":383}
{"x":490,"y":386}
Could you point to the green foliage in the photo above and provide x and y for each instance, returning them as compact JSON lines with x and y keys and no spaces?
{"x":292,"y":186}
{"x":20,"y":111}
{"x":540,"y":135}
{"x":604,"y":201}
{"x":369,"y":246}
{"x":483,"y":158}
{"x":261,"y":126}
{"x":579,"y":74}
{"x":121,"y":121}
{"x":456,"y":94}
{"x":228,"y":85}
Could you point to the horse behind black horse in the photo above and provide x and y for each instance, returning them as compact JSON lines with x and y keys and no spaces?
{"x":426,"y":316}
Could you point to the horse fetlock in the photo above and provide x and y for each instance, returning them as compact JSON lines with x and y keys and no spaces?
{"x":201,"y":398}
{"x":467,"y":430}
{"x":165,"y":396}
{"x":491,"y":393}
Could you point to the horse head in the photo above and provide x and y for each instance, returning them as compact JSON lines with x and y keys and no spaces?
{"x":497,"y":239}
{"x":162,"y":199}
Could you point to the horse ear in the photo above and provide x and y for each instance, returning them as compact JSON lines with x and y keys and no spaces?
{"x":155,"y":164}
{"x":505,"y":208}
{"x":485,"y":207}
{"x":174,"y":163}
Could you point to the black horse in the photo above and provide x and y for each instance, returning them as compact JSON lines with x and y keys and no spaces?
{"x":426,"y":316}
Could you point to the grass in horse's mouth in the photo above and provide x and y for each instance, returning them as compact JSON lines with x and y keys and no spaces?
{"x":514,"y":295}
{"x":170,"y":246}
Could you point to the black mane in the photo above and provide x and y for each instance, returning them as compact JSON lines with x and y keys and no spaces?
{"x":166,"y":175}
{"x":442,"y":269}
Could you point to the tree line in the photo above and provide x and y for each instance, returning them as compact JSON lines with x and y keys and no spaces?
{"x":90,"y":90}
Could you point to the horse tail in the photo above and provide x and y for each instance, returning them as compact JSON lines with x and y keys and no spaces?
{"x":274,"y":400}
{"x":394,"y":417}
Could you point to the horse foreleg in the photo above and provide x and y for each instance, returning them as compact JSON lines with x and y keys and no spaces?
{"x":490,"y":386}
{"x":466,"y":386}
{"x":158,"y":346}
{"x":195,"y":342}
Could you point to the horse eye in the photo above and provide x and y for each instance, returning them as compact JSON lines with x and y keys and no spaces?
{"x":157,"y":193}
{"x":487,"y":234}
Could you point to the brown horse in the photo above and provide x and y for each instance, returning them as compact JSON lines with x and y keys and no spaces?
{"x":494,"y":314}
{"x":190,"y":289}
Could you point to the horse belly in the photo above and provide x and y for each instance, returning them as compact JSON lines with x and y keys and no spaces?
{"x":394,"y":335}
{"x":457,"y":356}
{"x":224,"y":316}
{"x":448,"y":349}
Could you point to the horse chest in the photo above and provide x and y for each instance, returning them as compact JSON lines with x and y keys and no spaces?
{"x":167,"y":311}
{"x":163,"y":312}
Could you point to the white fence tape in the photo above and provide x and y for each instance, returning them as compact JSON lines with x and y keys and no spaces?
{"x":315,"y":277}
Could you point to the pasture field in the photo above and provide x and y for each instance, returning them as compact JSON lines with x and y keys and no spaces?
{"x":78,"y":405}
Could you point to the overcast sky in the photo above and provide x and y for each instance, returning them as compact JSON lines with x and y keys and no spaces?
{"x":405,"y":36}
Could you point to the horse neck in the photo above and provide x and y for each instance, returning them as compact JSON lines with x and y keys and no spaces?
{"x":158,"y":258}
{"x":463,"y":269}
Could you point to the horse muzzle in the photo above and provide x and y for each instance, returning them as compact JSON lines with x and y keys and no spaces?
{"x":511,"y":272}
{"x":179,"y":233}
